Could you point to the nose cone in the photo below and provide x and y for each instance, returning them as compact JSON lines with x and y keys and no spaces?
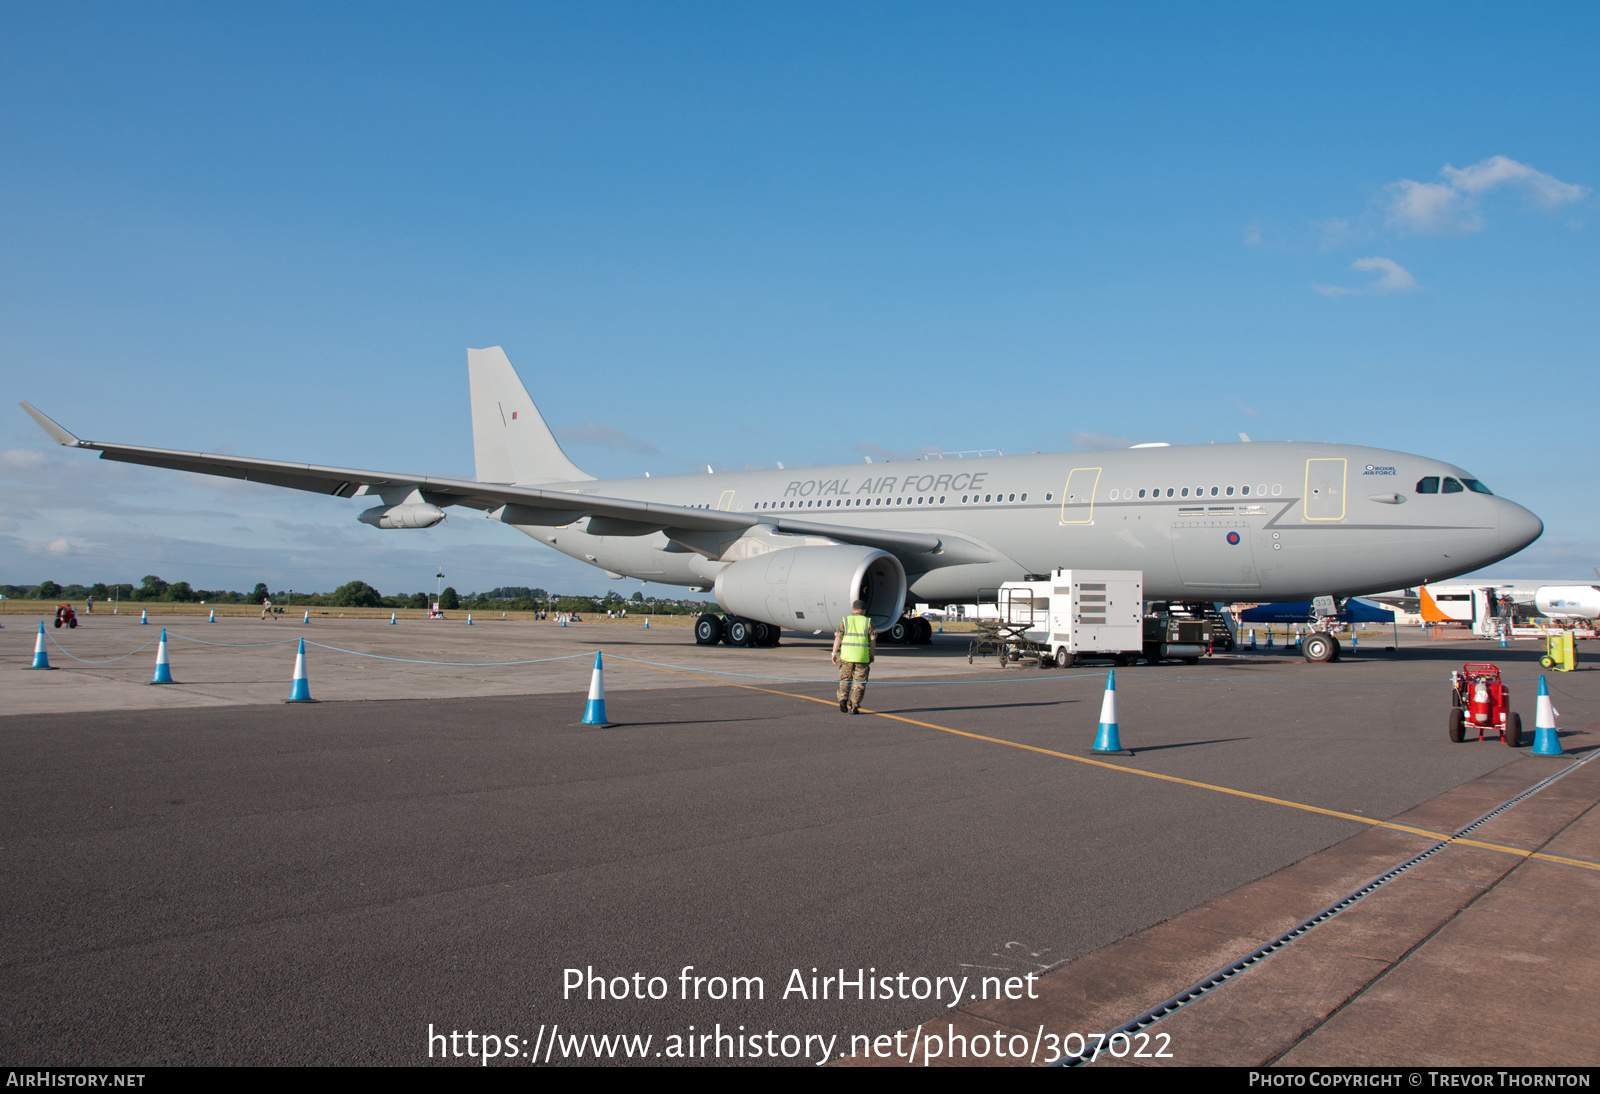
{"x":1518,"y":527}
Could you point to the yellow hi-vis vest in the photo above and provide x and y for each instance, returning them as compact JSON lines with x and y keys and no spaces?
{"x":854,"y":647}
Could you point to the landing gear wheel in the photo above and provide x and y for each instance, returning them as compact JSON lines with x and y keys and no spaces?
{"x":1063,"y":658}
{"x":1458,"y":725}
{"x":898,"y":632}
{"x":736,"y":633}
{"x":708,"y":630}
{"x":760,"y":634}
{"x":1319,"y":648}
{"x":1514,"y":730}
{"x":1338,"y":650}
{"x":922,"y":633}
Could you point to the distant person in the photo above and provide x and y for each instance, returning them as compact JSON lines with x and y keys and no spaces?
{"x":855,"y":644}
{"x":266,"y":609}
{"x":88,"y":605}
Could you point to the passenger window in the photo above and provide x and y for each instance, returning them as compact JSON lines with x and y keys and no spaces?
{"x":1230,"y":491}
{"x":1169,"y":491}
{"x":1185,"y":491}
{"x":1012,"y":498}
{"x":1244,"y":490}
{"x":1024,"y":497}
{"x":1213,"y":491}
{"x":1451,"y":486}
{"x":1428,"y":485}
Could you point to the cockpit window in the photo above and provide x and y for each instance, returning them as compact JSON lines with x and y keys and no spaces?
{"x":1451,"y":486}
{"x":1429,"y":485}
{"x":1477,"y":487}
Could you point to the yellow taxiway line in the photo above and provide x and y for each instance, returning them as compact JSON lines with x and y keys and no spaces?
{"x":1426,"y":833}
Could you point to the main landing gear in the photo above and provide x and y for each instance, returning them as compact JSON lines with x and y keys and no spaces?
{"x":731,"y":630}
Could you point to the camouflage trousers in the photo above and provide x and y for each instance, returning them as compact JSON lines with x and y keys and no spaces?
{"x":853,"y":681}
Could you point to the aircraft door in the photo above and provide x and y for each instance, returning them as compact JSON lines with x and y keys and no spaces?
{"x":1325,"y":489}
{"x":1077,"y":498}
{"x":725,"y":502}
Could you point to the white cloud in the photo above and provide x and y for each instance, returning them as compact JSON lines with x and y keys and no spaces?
{"x":1093,"y":441}
{"x":605,"y":436}
{"x":1392,"y":278}
{"x":881,"y":454}
{"x":1431,"y":207}
{"x":1338,"y":232}
{"x":1452,"y":206}
{"x":58,"y":547}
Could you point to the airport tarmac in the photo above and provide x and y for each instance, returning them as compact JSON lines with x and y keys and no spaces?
{"x":202,"y":874}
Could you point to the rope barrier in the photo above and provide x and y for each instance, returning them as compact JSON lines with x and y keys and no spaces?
{"x":104,"y":661}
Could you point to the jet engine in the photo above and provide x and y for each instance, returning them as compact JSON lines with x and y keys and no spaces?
{"x":410,"y":515}
{"x":811,"y":588}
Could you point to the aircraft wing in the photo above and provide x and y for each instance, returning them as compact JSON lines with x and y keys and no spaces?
{"x":528,"y":504}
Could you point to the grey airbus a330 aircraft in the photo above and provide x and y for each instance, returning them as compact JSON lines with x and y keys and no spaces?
{"x":793,"y":548}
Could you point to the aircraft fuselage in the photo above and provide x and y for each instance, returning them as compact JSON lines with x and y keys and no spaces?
{"x":1264,"y":521}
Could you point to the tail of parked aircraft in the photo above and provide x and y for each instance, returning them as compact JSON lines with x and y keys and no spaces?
{"x":510,"y":441}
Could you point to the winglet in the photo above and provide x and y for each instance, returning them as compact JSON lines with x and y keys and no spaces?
{"x":57,"y":434}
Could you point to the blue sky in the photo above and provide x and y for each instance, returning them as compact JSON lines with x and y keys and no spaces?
{"x":739,"y":234}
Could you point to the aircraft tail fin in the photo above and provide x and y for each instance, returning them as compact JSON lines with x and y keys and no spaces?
{"x":510,"y":441}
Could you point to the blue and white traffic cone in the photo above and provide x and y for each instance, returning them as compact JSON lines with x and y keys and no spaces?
{"x":1269,"y":638}
{"x":391,"y":619}
{"x":647,"y":622}
{"x":163,"y":669}
{"x":469,"y":619}
{"x":563,"y":621}
{"x":41,"y":659}
{"x":1108,"y":740}
{"x":212,"y":618}
{"x":1546,"y":741}
{"x":307,"y":619}
{"x":595,"y":713}
{"x":144,"y":617}
{"x":300,"y":690}
{"x":1251,"y":645}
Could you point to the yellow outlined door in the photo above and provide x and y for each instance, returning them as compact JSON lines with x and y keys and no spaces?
{"x":1324,"y":497}
{"x":1077,"y":498}
{"x":725,"y":503}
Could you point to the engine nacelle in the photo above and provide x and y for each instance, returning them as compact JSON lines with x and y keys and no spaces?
{"x":811,"y":588}
{"x":410,"y":515}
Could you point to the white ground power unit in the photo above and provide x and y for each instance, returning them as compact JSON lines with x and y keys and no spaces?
{"x":1078,"y":613}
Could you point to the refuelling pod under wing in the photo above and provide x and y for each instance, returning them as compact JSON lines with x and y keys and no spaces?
{"x":811,"y":588}
{"x":410,"y":515}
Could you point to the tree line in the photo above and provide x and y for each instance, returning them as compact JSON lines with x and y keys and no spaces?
{"x":355,"y":594}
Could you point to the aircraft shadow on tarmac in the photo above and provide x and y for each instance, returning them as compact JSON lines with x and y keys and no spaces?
{"x":1188,"y":744}
{"x":977,"y":706}
{"x":680,"y":722}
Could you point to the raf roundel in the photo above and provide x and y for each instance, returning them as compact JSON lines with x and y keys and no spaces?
{"x":1233,"y":538}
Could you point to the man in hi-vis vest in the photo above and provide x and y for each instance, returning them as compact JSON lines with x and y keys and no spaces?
{"x":854,"y":644}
